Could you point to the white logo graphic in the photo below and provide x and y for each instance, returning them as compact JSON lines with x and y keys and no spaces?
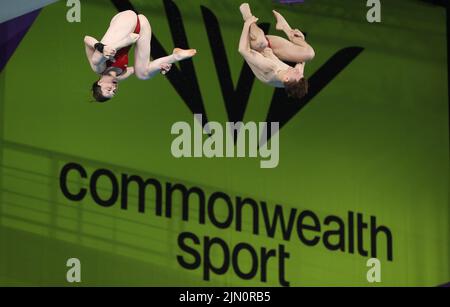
{"x":74,"y":13}
{"x":252,"y":139}
{"x":74,"y":273}
{"x":374,"y":14}
{"x":374,"y":273}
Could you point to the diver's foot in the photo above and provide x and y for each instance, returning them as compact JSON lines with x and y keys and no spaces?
{"x":183,"y":54}
{"x":245,"y":11}
{"x":282,"y":24}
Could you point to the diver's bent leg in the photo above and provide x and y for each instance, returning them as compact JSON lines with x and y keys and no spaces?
{"x":120,"y":27}
{"x":287,"y":51}
{"x":154,"y":67}
{"x":144,"y":68}
{"x":296,"y":49}
{"x":130,"y":39}
{"x":284,"y":26}
{"x":142,"y":48}
{"x":258,"y":40}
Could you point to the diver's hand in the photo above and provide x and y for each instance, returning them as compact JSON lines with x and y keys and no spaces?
{"x":109,"y":53}
{"x":296,"y":33}
{"x":165,"y":68}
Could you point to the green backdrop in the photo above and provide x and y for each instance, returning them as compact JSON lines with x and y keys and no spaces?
{"x":375,"y":141}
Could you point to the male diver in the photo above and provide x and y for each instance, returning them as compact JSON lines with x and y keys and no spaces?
{"x":265,"y":54}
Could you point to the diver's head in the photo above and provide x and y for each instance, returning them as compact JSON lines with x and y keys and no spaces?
{"x":105,"y":88}
{"x":294,"y":82}
{"x":290,"y":75}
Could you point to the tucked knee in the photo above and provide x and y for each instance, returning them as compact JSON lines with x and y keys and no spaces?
{"x":144,"y":22}
{"x":129,"y":13}
{"x":259,"y":45}
{"x":141,"y":75}
{"x":310,"y":54}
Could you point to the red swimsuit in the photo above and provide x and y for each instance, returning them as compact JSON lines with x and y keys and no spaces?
{"x":121,"y":57}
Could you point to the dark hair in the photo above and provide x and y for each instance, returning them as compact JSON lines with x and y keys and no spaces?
{"x":297,"y":89}
{"x":97,"y":93}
